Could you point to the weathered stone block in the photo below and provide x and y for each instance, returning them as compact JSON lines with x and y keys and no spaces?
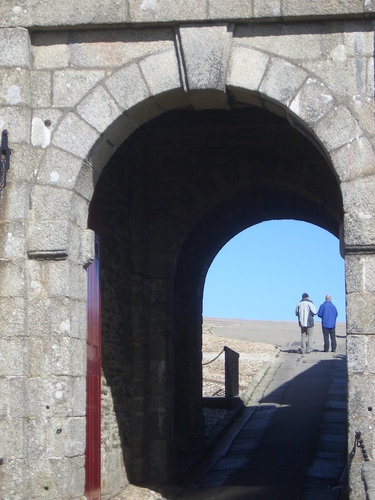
{"x":52,"y":479}
{"x":144,"y":112}
{"x":12,"y":240}
{"x":14,"y":87}
{"x":78,"y":319}
{"x":51,"y":202}
{"x":57,"y":437}
{"x":81,"y":136}
{"x":282,"y":81}
{"x":304,"y":8}
{"x":25,"y":161}
{"x":79,"y":208}
{"x":358,"y":41}
{"x":47,"y":239}
{"x":77,"y":476}
{"x":127,"y":86}
{"x":359,"y":229}
{"x":37,"y":442}
{"x":59,"y":169}
{"x":161,"y":72}
{"x":99,"y":109}
{"x":362,"y":106}
{"x":358,"y":195}
{"x":338,"y":128}
{"x":15,"y":45}
{"x":4,"y":397}
{"x":77,"y":357}
{"x":12,"y":279}
{"x":49,"y":354}
{"x":115,"y":48}
{"x":36,"y":281}
{"x":371,"y":355}
{"x":50,"y":50}
{"x":267,"y":8}
{"x":17,"y":121}
{"x":369,"y":6}
{"x":143,"y":11}
{"x":100,"y":154}
{"x":85,"y":180}
{"x":12,"y":432}
{"x":300,"y":46}
{"x":78,"y":402}
{"x":222,"y":10}
{"x":337,"y":74}
{"x":16,"y":407}
{"x":354,"y":274}
{"x":357,"y":353}
{"x":77,"y":281}
{"x":12,"y":482}
{"x":15,"y":197}
{"x":41,"y":89}
{"x":312,"y":102}
{"x":369,"y":273}
{"x":48,"y":316}
{"x":74,"y":438}
{"x":354,"y":159}
{"x":114,"y":473}
{"x":87,"y":248}
{"x":71,"y":85}
{"x":244,"y":74}
{"x":151,"y":11}
{"x":13,"y":316}
{"x":205,"y":55}
{"x":49,"y":397}
{"x":109,"y":12}
{"x":359,"y":312}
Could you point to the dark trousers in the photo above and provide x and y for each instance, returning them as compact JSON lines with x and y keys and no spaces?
{"x":329,"y":333}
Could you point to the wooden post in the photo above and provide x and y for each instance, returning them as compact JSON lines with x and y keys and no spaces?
{"x":231,"y":373}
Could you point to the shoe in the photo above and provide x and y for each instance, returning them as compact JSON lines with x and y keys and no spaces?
{"x":325,"y":350}
{"x":333,"y":350}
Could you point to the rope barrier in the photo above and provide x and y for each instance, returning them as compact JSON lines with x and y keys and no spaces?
{"x":212,"y":360}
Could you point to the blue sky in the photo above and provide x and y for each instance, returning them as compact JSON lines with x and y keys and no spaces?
{"x":262,"y":272}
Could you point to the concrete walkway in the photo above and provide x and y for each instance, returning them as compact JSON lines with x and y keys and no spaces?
{"x":290,"y":442}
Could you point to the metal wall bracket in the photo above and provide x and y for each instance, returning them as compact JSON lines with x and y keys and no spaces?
{"x":4,"y":158}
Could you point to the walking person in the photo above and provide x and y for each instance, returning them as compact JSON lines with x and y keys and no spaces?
{"x":305,"y":310}
{"x":328,"y":312}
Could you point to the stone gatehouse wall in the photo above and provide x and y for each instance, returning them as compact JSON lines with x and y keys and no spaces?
{"x":76,"y":81}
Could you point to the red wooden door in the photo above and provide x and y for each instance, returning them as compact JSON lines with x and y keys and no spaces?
{"x":93,"y":380}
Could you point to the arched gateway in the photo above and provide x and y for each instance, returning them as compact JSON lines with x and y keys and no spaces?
{"x":179,"y":136}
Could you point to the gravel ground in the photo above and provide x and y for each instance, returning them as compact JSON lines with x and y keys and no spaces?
{"x":253,"y":355}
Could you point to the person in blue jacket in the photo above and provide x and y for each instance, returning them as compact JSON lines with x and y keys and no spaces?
{"x":328,"y":312}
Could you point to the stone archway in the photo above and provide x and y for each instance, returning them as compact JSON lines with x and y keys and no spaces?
{"x":233,"y":69}
{"x":166,"y":210}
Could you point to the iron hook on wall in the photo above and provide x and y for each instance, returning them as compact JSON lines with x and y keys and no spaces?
{"x":5,"y":157}
{"x":4,"y":161}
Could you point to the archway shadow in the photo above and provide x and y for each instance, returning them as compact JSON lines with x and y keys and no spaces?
{"x":293,"y":445}
{"x":165,"y":213}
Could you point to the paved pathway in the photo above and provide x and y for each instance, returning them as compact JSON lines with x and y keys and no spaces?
{"x":290,"y":442}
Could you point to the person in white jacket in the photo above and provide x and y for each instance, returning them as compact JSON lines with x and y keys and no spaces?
{"x":305,"y":310}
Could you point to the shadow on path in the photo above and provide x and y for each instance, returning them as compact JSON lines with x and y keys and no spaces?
{"x":293,"y":442}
